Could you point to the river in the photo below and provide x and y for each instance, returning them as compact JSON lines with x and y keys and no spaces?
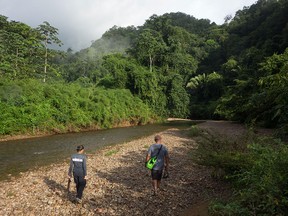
{"x":18,"y":156}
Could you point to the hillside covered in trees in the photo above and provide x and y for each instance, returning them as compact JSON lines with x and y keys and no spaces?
{"x":173,"y":65}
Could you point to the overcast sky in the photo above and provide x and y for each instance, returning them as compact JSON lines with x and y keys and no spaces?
{"x":81,"y":21}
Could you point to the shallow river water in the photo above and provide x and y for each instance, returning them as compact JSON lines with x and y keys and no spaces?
{"x":21,"y":155}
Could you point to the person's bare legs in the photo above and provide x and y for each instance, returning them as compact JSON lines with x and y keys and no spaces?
{"x":155,"y":186}
{"x":158,"y":184}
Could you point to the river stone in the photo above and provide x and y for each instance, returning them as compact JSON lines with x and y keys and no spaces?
{"x":117,"y":185}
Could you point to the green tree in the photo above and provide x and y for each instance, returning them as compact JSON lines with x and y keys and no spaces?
{"x":151,"y":46}
{"x":48,"y":36}
{"x":205,"y":90}
{"x":19,"y":48}
{"x":273,"y":86}
{"x":178,"y":98}
{"x":208,"y":86}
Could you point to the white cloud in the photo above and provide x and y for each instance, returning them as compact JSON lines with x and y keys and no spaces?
{"x":81,"y":21}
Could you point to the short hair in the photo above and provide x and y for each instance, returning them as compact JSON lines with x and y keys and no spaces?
{"x":80,"y":148}
{"x":157,"y":138}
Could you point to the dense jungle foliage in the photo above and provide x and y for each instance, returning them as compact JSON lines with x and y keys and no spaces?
{"x":60,"y":107}
{"x":255,"y":167}
{"x":173,"y":65}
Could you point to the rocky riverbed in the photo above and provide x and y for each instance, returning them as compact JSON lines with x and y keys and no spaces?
{"x":118,"y":183}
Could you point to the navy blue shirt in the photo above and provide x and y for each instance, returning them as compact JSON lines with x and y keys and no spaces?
{"x":78,"y":165}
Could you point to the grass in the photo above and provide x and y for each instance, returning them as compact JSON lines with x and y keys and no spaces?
{"x":10,"y":194}
{"x":146,"y":146}
{"x":111,"y":152}
{"x":195,"y":131}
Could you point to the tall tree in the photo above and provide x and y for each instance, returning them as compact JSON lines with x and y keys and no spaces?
{"x":19,"y":49}
{"x":150,"y":45}
{"x":49,"y":36}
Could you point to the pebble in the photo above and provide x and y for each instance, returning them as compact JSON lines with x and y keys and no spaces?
{"x":118,"y":184}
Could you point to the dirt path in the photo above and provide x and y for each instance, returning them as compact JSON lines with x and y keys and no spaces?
{"x":229,"y":129}
{"x":118,"y":185}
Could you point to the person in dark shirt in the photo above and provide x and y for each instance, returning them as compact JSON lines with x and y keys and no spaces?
{"x":79,"y":170}
{"x":162,"y":162}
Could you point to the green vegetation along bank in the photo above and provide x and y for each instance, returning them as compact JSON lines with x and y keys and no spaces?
{"x":173,"y":65}
{"x":177,"y":65}
{"x":255,"y":165}
{"x":30,"y":106}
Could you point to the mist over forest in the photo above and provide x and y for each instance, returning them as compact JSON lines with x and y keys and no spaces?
{"x":174,"y":65}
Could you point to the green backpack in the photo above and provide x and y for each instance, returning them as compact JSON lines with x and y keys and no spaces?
{"x":152,"y":161}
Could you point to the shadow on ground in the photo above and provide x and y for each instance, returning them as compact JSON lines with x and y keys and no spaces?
{"x":129,"y":188}
{"x":61,"y":190}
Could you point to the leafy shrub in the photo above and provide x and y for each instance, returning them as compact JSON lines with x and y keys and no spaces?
{"x":220,"y":209}
{"x":111,"y":152}
{"x":220,"y":152}
{"x":194,"y":131}
{"x":33,"y":106}
{"x":258,"y":169}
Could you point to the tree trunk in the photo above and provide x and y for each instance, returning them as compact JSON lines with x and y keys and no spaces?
{"x":46,"y":61}
{"x":16,"y":63}
{"x":151,"y":62}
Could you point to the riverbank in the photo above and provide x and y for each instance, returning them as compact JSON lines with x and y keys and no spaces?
{"x":36,"y":134}
{"x":118,"y":183}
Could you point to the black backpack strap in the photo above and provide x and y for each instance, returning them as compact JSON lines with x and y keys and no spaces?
{"x":159,"y":151}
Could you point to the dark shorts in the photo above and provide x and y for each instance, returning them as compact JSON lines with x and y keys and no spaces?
{"x":156,"y":174}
